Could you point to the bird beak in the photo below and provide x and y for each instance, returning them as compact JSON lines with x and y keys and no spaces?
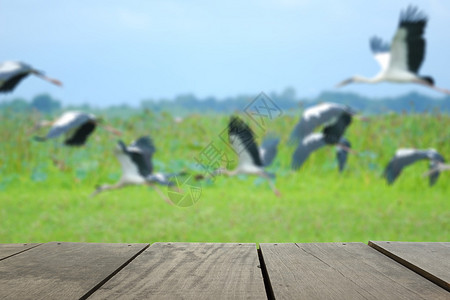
{"x":55,"y":81}
{"x":345,"y":82}
{"x":52,"y":80}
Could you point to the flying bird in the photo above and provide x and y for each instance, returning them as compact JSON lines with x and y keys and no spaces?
{"x":404,"y":157}
{"x":75,"y":125}
{"x":251,"y":159}
{"x":12,"y":72}
{"x":401,"y":61}
{"x":331,"y":135}
{"x":315,"y":116}
{"x":137,"y":167}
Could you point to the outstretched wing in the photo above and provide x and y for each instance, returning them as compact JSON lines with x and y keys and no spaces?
{"x":12,"y":82}
{"x":401,"y":159}
{"x":408,"y":44}
{"x":68,"y":121}
{"x":333,"y":132}
{"x":381,"y":52}
{"x":392,"y":171}
{"x":243,"y":142}
{"x":314,"y":117}
{"x":268,"y":150}
{"x":11,"y":73}
{"x":81,"y":134}
{"x":129,"y":161}
{"x":141,"y":152}
{"x":308,"y":145}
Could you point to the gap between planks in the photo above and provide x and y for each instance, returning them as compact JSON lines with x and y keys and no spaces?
{"x":95,"y":288}
{"x":436,"y":280}
{"x":265,"y":275}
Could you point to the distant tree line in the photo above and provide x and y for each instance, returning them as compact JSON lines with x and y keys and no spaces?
{"x":287,"y":101}
{"x":43,"y":103}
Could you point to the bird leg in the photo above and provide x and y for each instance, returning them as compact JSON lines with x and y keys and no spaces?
{"x":438,"y":168}
{"x":427,"y":84}
{"x":362,"y":118}
{"x":271,"y":184}
{"x":61,"y":165}
{"x":160,"y":193}
{"x":219,"y":171}
{"x":39,"y":125}
{"x":445,"y":91}
{"x":106,"y":187}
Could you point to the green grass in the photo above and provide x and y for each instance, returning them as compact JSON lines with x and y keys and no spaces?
{"x":40,"y":203}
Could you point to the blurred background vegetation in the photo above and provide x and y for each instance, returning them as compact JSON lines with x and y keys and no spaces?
{"x":42,"y":200}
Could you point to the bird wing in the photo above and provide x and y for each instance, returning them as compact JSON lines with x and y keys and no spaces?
{"x":333,"y":132}
{"x":243,"y":142}
{"x":11,"y":73}
{"x":341,"y":154}
{"x":12,"y":82}
{"x":401,"y":159}
{"x":268,"y":150}
{"x":381,"y":52}
{"x":308,"y":145}
{"x":408,"y":44}
{"x":69,"y":120}
{"x":392,"y":171}
{"x":435,"y":160}
{"x":141,"y":152}
{"x":129,"y":168}
{"x":313,"y":117}
{"x":79,"y":137}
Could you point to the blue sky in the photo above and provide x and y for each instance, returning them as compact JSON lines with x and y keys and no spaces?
{"x":112,"y":52}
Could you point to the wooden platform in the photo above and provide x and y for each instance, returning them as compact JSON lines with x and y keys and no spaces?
{"x":379,"y":270}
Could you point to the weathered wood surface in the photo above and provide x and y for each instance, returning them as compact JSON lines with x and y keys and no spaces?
{"x":341,"y":271}
{"x":189,"y":271}
{"x":8,"y":250}
{"x":431,"y":260}
{"x":62,"y":270}
{"x":224,"y":271}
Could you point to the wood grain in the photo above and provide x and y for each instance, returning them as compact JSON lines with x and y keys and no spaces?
{"x":341,"y":271}
{"x":189,"y":271}
{"x":62,"y":270}
{"x":8,"y":250}
{"x":431,"y":260}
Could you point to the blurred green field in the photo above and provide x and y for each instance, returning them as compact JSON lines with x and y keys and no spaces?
{"x":39,"y":202}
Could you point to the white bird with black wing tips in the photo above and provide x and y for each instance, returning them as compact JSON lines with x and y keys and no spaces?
{"x":331,"y":135}
{"x":405,"y":157}
{"x":401,"y":61}
{"x":13,"y":72}
{"x":75,"y":125}
{"x":252,"y":160}
{"x":137,"y":167}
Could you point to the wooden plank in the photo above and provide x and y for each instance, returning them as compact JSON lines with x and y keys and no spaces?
{"x":341,"y":271}
{"x":189,"y":271}
{"x":8,"y":250}
{"x":62,"y":270}
{"x":431,"y":260}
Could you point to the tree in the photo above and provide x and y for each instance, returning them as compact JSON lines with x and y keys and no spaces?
{"x":45,"y":103}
